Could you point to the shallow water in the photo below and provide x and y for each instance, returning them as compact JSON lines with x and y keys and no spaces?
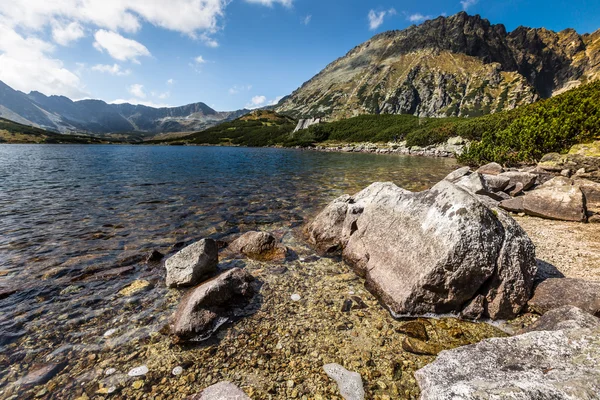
{"x":76,"y":223}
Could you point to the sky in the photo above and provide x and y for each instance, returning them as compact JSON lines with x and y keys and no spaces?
{"x":229,"y":54}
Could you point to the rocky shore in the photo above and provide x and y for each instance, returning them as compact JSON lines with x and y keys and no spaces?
{"x":384,"y":294}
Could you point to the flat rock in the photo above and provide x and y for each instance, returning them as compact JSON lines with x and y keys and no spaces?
{"x":496,"y":183}
{"x":432,"y":251}
{"x":261,"y":246}
{"x":420,"y":347}
{"x":204,"y":308}
{"x":457,"y":174}
{"x":41,"y":374}
{"x":491,"y":169}
{"x":591,"y":192}
{"x":221,"y":391}
{"x":189,"y":265}
{"x":349,"y":383}
{"x":563,"y":364}
{"x":566,"y":317}
{"x":557,"y":199}
{"x":558,"y":292}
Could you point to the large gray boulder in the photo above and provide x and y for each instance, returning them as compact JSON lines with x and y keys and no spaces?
{"x":527,"y":179}
{"x":562,"y":364}
{"x":558,"y":199}
{"x":431,"y":252}
{"x":558,"y":292}
{"x":188,"y":266}
{"x":203,"y":309}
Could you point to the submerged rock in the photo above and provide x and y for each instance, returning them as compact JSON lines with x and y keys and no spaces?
{"x":566,"y":317}
{"x":561,"y":364}
{"x":349,"y":383}
{"x":41,"y":375}
{"x":221,"y":391}
{"x":558,"y":292}
{"x":431,"y":252}
{"x":261,"y":246}
{"x":189,"y":265}
{"x":203,"y":309}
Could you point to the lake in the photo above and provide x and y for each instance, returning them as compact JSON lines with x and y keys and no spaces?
{"x":76,"y":223}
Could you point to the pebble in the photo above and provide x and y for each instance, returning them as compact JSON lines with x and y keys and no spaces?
{"x":138,"y":384}
{"x":109,"y":371}
{"x":110,"y":332}
{"x":349,"y":383}
{"x":177,"y":370}
{"x":138,"y":371}
{"x":296,"y":297}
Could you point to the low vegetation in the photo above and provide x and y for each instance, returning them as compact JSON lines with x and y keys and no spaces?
{"x":12,"y":132}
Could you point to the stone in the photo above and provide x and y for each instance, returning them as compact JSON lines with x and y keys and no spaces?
{"x":474,"y":183}
{"x":491,"y":169}
{"x":557,"y":199}
{"x":432,"y":251}
{"x":296,"y":297}
{"x":41,"y":374}
{"x":413,"y":329}
{"x":475,"y":310}
{"x":565,"y":317}
{"x":349,"y":383}
{"x":221,"y":391}
{"x":135,"y":287}
{"x":417,"y":346}
{"x":154,"y":256}
{"x":496,"y":183}
{"x":516,"y":190}
{"x":525,"y":178}
{"x":459,"y":173}
{"x":138,"y":371}
{"x":178,"y":370}
{"x":261,"y":246}
{"x":189,"y":265}
{"x":559,"y":364}
{"x":558,"y":292}
{"x":204,"y":309}
{"x":591,"y":192}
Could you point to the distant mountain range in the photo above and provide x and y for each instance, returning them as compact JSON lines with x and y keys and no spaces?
{"x":460,"y":65}
{"x":60,"y":114}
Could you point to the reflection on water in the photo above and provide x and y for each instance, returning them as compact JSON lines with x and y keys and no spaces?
{"x":77,"y":221}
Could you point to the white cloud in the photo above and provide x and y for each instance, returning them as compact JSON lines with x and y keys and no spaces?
{"x":199,"y":60}
{"x":26,"y":64}
{"x":269,"y":3}
{"x":416,"y":18}
{"x":164,"y":95}
{"x":261,"y":101}
{"x":114,"y":69}
{"x":275,"y":100}
{"x":65,"y":34}
{"x":137,"y":90}
{"x":208,"y":41}
{"x":306,"y":20}
{"x":170,"y":81}
{"x":118,"y":47}
{"x":376,"y":17}
{"x":468,"y":3}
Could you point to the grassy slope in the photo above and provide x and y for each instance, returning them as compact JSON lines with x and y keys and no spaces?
{"x":12,"y":132}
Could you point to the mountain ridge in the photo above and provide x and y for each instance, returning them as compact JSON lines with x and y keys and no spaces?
{"x":460,"y":65}
{"x":61,"y":114}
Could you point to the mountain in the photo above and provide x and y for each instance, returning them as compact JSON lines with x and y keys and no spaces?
{"x":60,"y":114}
{"x":450,"y":66}
{"x":13,"y":132}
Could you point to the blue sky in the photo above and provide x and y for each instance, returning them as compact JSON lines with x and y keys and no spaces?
{"x":229,"y":54}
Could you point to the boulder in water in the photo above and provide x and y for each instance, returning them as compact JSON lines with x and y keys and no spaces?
{"x":261,"y":246}
{"x":189,"y":265}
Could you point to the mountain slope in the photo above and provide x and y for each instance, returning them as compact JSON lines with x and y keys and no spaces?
{"x":58,"y":113}
{"x":12,"y":132}
{"x":456,"y":66}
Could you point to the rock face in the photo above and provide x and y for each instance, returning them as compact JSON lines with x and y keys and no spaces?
{"x":260,"y":246}
{"x":559,"y":364}
{"x":558,"y":292}
{"x":190,"y":264}
{"x":306,"y":123}
{"x":203,"y":309}
{"x":559,"y":199}
{"x":566,"y":317}
{"x":221,"y":391}
{"x":349,"y":383}
{"x":430,"y":252}
{"x":459,"y":65}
